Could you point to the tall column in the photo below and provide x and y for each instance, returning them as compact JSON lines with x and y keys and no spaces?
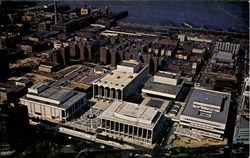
{"x":99,"y":91}
{"x":151,"y":139}
{"x":137,"y":131}
{"x":133,"y":131}
{"x":122,"y":95}
{"x":147,"y":136}
{"x":119,"y":126}
{"x":123,"y":128}
{"x":143,"y":133}
{"x":112,"y":93}
{"x":104,"y":92}
{"x":117,"y":94}
{"x":106,"y":125}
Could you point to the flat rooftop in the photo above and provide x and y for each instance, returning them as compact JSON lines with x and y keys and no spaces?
{"x":208,"y":97}
{"x":117,"y":79}
{"x":167,"y":75}
{"x":48,"y":64}
{"x":158,"y":103}
{"x":9,"y":86}
{"x":56,"y":93}
{"x":129,"y":64}
{"x":244,"y":122}
{"x":65,"y":96}
{"x":150,"y":85}
{"x":132,"y":114}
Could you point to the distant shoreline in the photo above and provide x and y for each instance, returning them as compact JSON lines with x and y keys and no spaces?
{"x":220,"y":15}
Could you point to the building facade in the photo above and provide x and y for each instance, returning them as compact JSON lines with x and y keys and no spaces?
{"x":164,"y":84}
{"x":242,"y":132}
{"x":132,"y":122}
{"x":58,"y":104}
{"x":4,"y":64}
{"x":13,"y":128}
{"x":227,"y":46}
{"x":121,"y":82}
{"x":206,"y":113}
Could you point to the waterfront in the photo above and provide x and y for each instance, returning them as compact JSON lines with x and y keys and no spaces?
{"x":219,"y":14}
{"x":114,"y":82}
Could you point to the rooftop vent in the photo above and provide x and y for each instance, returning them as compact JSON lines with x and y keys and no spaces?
{"x":204,"y":114}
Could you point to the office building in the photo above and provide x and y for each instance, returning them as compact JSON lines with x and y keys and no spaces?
{"x":4,"y":65}
{"x":121,"y":82}
{"x":13,"y":128}
{"x":11,"y":91}
{"x":242,"y":132}
{"x":56,"y":104}
{"x":132,"y":122}
{"x":65,"y":54}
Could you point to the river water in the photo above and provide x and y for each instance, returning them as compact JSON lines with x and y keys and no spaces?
{"x":219,"y":14}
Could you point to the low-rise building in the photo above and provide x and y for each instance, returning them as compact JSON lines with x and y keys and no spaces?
{"x":223,"y":58}
{"x":132,"y":122}
{"x":121,"y":82}
{"x":225,"y":53}
{"x":14,"y":125}
{"x":199,"y":39}
{"x":4,"y":64}
{"x":198,"y":50}
{"x":48,"y":67}
{"x":183,"y":54}
{"x":227,"y":46}
{"x":11,"y":91}
{"x":58,"y":104}
{"x":242,"y":132}
{"x":206,"y":113}
{"x":164,"y":84}
{"x":195,"y":38}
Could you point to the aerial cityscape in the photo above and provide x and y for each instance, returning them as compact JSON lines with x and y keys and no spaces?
{"x":124,"y":79}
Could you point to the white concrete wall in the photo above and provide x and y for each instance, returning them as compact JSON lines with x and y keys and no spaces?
{"x":203,"y":124}
{"x":199,"y":39}
{"x":133,"y":85}
{"x":165,"y":80}
{"x":159,"y":93}
{"x":125,"y":69}
{"x":198,"y":50}
{"x":45,"y":110}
